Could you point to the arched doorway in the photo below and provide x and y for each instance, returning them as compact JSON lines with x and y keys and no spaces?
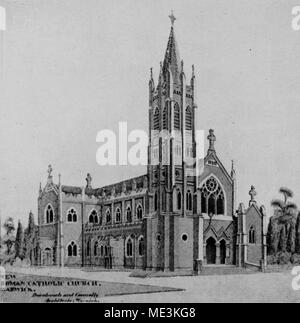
{"x":211,"y":251}
{"x":223,"y":252}
{"x":47,"y":257}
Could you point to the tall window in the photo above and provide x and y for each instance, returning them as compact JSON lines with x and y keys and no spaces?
{"x":129,"y":248}
{"x":165,"y":119}
{"x":176,"y":117}
{"x":189,"y":201}
{"x":156,"y":119}
{"x":252,"y":237}
{"x":108,"y":217}
{"x":49,"y":214}
{"x":88,"y":248}
{"x":96,"y":248}
{"x":212,"y":198}
{"x":72,"y":216}
{"x":72,"y":249}
{"x":179,"y":198}
{"x":188,"y":119}
{"x":155,"y":201}
{"x":93,"y":218}
{"x":141,"y":246}
{"x":118,"y":215}
{"x":128,"y":214}
{"x":139,"y":212}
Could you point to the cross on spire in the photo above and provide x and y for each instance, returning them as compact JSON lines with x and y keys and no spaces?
{"x":172,"y":18}
{"x":50,"y":170}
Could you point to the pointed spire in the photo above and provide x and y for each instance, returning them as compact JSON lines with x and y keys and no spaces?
{"x":172,"y":57}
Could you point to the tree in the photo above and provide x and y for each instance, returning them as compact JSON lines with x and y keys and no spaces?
{"x":298,"y":234}
{"x":29,"y":235}
{"x":9,"y":239}
{"x":19,"y":242}
{"x":282,"y":228}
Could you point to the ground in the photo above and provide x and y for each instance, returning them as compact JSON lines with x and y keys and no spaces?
{"x":256,"y":287}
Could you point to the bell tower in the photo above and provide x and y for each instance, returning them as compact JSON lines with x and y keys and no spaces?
{"x":171,"y":152}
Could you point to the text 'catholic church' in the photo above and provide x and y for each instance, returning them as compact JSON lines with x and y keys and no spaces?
{"x":169,"y":219}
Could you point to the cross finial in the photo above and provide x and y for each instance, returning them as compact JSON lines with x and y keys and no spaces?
{"x":252,"y":193}
{"x":172,"y":18}
{"x":212,"y":138}
{"x":50,"y":170}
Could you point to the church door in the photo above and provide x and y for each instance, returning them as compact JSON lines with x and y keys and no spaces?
{"x":211,"y":251}
{"x":223,"y":252}
{"x":47,"y":257}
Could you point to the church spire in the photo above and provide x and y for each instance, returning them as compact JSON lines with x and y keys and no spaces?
{"x":172,"y":57}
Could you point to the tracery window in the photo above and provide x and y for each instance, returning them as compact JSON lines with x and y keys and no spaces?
{"x":212,"y":198}
{"x":49,"y":214}
{"x":72,"y":216}
{"x":72,"y":249}
{"x":93,"y":218}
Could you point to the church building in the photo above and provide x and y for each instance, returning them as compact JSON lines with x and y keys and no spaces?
{"x":176,"y":217}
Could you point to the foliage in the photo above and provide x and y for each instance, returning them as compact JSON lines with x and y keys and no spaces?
{"x":19,"y":242}
{"x":9,"y":238}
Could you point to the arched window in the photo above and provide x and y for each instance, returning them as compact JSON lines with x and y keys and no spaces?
{"x":101,"y":251}
{"x":179,"y":199}
{"x":212,"y":198}
{"x":165,"y":119}
{"x":128,"y":214}
{"x":108,"y":217}
{"x":129,"y":248}
{"x":155,"y":201}
{"x":72,"y":249}
{"x":177,"y":117}
{"x":118,"y":215}
{"x":252,"y":235}
{"x":93,"y":218}
{"x":156,"y":119}
{"x":96,"y":248}
{"x":189,"y":201}
{"x":72,"y":216}
{"x":188,"y":119}
{"x":141,"y":246}
{"x":49,"y":214}
{"x":139,"y":212}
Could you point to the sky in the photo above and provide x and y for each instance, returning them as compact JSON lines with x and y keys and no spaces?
{"x":70,"y":68}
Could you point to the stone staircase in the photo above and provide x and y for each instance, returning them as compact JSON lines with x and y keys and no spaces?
{"x":226,"y":270}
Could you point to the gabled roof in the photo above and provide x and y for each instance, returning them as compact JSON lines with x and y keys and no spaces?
{"x":214,"y":156}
